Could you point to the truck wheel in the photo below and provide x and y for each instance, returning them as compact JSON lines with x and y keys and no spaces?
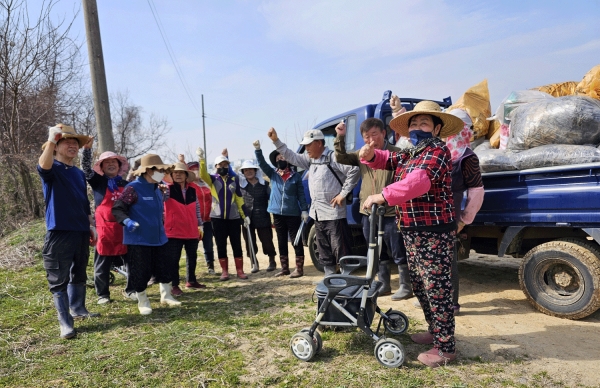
{"x":312,"y":249}
{"x":562,"y":278}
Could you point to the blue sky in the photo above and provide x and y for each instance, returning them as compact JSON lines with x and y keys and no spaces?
{"x":292,"y":64}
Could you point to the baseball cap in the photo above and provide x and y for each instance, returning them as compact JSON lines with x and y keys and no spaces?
{"x":310,"y":136}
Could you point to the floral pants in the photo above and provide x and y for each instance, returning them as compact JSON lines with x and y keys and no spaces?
{"x":429,"y":256}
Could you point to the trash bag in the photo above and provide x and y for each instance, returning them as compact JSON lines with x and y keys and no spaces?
{"x":590,"y":84}
{"x":555,"y":155}
{"x":571,"y":120}
{"x":483,"y":147}
{"x":560,"y":89}
{"x":516,"y":99}
{"x":476,"y":101}
{"x":492,"y":160}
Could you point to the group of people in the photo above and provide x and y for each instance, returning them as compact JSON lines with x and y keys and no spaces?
{"x":164,"y":208}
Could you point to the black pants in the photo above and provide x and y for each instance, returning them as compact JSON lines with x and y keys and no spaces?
{"x":207,"y":242}
{"x":231,"y":229}
{"x":393,"y":244}
{"x":66,"y":256}
{"x":102,"y":266}
{"x":287,"y":227}
{"x":173,"y":249}
{"x":144,"y":261}
{"x":266,"y":239}
{"x":333,"y":240}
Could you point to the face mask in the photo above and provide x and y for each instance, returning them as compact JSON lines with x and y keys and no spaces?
{"x":222,"y":171}
{"x":157,"y":176}
{"x":417,"y":135}
{"x":282,"y":164}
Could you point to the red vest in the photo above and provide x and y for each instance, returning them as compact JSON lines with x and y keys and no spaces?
{"x":205,"y":198}
{"x":181,"y":220}
{"x":110,"y":232}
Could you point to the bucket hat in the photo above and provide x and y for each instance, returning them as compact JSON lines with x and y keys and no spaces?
{"x":151,"y":161}
{"x":183,"y":167}
{"x":68,"y":132}
{"x":452,"y":124}
{"x":111,"y":155}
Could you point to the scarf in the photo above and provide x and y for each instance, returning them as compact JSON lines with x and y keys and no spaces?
{"x":113,"y":183}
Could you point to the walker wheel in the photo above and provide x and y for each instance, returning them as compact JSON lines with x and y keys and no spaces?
{"x":316,"y":338}
{"x":389,"y":352}
{"x":303,"y":347}
{"x":397,"y":322}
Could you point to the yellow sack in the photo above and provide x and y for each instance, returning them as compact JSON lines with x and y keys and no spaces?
{"x":560,"y":89}
{"x":590,"y":85}
{"x":493,"y":128}
{"x":495,"y":139}
{"x":476,"y":101}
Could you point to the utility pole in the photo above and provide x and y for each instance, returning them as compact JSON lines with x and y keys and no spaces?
{"x":204,"y":132}
{"x":106,"y":142}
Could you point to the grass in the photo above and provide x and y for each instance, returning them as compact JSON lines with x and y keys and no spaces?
{"x":231,"y":334}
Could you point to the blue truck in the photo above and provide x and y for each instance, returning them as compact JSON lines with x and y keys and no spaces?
{"x":548,"y":216}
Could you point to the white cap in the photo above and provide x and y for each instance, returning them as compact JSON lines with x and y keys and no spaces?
{"x":248,"y":164}
{"x":220,"y":159}
{"x":310,"y":136}
{"x":463,"y":115}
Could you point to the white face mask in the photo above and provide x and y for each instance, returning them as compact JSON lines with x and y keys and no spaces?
{"x":157,"y":176}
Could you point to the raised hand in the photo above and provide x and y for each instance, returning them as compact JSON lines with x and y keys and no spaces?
{"x":340,"y":129}
{"x":89,"y":144}
{"x":200,"y":153}
{"x":395,"y":103}
{"x":256,"y":144}
{"x":367,"y":152}
{"x":225,"y":153}
{"x":272,"y":134}
{"x":181,"y":158}
{"x":54,"y":134}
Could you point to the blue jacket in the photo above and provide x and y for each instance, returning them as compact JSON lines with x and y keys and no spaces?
{"x":287,"y":198}
{"x":148,"y":212}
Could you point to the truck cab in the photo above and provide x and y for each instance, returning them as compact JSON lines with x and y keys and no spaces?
{"x":354,"y":141}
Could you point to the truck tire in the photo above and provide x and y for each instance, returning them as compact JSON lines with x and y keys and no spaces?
{"x":312,"y":249}
{"x":562,"y":278}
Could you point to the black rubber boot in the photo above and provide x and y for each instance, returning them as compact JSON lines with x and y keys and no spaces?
{"x":65,"y":320}
{"x":405,"y":290}
{"x":272,"y":265}
{"x":76,"y":294}
{"x":384,"y":277}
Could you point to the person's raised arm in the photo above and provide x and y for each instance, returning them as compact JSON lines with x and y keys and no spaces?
{"x":339,"y":145}
{"x":47,"y":158}
{"x":262,"y":163}
{"x":301,"y":161}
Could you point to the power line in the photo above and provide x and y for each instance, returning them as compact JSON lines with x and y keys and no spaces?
{"x":171,"y":53}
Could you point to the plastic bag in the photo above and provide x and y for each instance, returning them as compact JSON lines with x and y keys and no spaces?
{"x":492,"y":160}
{"x":516,"y":99}
{"x":571,"y":120}
{"x":504,"y":135}
{"x":560,"y":89}
{"x":590,"y":84}
{"x":555,"y":155}
{"x":476,"y":101}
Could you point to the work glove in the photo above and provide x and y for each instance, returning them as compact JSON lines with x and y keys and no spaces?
{"x":93,"y":236}
{"x":246,"y":222}
{"x":304,"y":216}
{"x":130,"y":225}
{"x":395,"y":104}
{"x":200,"y":153}
{"x":54,"y":134}
{"x":256,"y":144}
{"x":200,"y":232}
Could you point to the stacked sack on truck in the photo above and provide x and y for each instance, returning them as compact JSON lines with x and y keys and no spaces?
{"x":537,"y":129}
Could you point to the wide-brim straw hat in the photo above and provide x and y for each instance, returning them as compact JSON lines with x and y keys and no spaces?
{"x":452,"y":124}
{"x":68,"y":132}
{"x":183,"y":167}
{"x":151,"y":161}
{"x":111,"y":155}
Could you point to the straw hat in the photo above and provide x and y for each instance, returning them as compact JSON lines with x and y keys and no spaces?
{"x":452,"y":124}
{"x":150,"y":161}
{"x":68,"y":132}
{"x":111,"y":155}
{"x":183,"y":167}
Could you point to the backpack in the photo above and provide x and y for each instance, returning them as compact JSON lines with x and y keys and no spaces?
{"x":349,"y":196}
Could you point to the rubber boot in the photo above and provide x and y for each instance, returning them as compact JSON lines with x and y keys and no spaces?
{"x":299,"y":272}
{"x":272,"y":264}
{"x":384,"y":277}
{"x":224,"y":269}
{"x":165,"y":295}
{"x":405,"y":290}
{"x":329,"y":269}
{"x":143,"y":303}
{"x":285,"y":266}
{"x":65,"y":320}
{"x":76,"y":294}
{"x":239,"y":267}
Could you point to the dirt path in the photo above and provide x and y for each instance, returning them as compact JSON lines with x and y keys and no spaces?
{"x":496,"y":323}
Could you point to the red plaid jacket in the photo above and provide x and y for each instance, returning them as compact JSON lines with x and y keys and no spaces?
{"x":436,"y":207}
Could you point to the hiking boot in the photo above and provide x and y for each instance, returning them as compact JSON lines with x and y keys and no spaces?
{"x":435,"y":358}
{"x":272,"y":265}
{"x":176,"y":291}
{"x":299,"y":271}
{"x":194,"y":285}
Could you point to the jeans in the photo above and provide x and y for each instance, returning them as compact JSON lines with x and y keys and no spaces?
{"x":392,"y":240}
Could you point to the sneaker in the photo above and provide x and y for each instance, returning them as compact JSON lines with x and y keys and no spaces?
{"x":211,"y":271}
{"x":194,"y":285}
{"x":130,"y":296}
{"x":103,"y":300}
{"x":151,"y":281}
{"x":176,"y":291}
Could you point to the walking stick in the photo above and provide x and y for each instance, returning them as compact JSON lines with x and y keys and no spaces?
{"x":252,"y":253}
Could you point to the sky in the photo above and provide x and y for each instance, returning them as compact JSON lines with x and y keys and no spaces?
{"x":292,"y":64}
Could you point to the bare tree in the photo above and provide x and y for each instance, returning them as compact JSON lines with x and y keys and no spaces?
{"x":40,"y":70}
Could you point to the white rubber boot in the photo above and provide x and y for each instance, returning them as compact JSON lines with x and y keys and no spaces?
{"x":165,"y":295}
{"x":144,"y":303}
